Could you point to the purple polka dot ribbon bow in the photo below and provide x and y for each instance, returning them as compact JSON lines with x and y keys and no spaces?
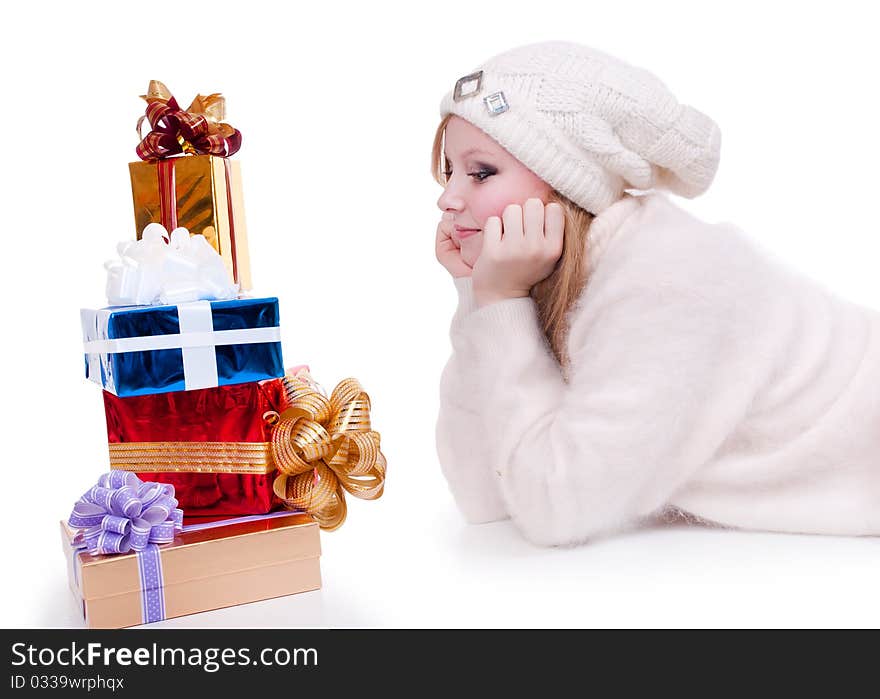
{"x":122,"y":513}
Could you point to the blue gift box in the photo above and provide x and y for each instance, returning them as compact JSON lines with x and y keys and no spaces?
{"x":137,"y":350}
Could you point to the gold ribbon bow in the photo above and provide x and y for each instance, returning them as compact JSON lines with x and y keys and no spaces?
{"x":324,"y":447}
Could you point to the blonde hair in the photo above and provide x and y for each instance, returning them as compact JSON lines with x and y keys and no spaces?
{"x":556,"y":294}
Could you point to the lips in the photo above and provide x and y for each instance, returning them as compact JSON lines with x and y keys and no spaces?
{"x":462,"y":233}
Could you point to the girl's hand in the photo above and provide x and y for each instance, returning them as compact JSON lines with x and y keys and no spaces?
{"x":519,"y":250}
{"x":448,"y":253}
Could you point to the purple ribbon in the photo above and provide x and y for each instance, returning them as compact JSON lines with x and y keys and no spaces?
{"x":122,"y":513}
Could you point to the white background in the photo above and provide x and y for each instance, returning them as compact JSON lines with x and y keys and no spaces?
{"x":338,"y":106}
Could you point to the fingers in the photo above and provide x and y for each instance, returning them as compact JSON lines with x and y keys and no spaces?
{"x":445,"y":244}
{"x":530,"y":219}
{"x":448,"y":250}
{"x":445,"y":224}
{"x":492,"y":231}
{"x":534,"y":221}
{"x":533,"y":218}
{"x":554,"y":226}
{"x":512,"y":218}
{"x":445,"y":229}
{"x":442,"y":233}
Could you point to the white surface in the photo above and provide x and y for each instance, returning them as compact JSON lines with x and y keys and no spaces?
{"x":338,"y":108}
{"x":441,"y":573}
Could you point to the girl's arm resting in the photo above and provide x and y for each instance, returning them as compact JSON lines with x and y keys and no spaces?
{"x":656,"y":386}
{"x":464,"y":452}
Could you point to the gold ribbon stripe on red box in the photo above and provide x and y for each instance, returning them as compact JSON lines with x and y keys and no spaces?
{"x":192,"y":457}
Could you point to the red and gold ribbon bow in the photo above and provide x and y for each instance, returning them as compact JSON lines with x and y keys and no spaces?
{"x":323,"y":447}
{"x":197,"y":129}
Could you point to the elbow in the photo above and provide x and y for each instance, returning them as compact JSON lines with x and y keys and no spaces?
{"x":481,"y":510}
{"x":565,"y":534}
{"x":478,"y":503}
{"x":469,"y":481}
{"x":561,"y":491}
{"x":549,"y":511}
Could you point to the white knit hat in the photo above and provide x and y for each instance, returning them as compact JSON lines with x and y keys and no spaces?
{"x":588,"y":124}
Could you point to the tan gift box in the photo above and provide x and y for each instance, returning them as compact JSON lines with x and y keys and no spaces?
{"x":203,"y":194}
{"x":221,"y":566}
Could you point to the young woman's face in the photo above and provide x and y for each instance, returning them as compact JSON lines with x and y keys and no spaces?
{"x":482,"y":178}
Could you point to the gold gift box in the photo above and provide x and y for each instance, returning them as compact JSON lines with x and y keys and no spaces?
{"x":208,"y":200}
{"x":204,"y":569}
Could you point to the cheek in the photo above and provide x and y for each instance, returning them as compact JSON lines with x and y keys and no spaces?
{"x":493,"y":204}
{"x":509,"y":190}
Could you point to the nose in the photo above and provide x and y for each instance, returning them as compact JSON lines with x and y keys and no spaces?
{"x":450,"y":200}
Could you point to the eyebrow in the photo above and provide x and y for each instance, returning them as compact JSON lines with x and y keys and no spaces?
{"x":472,"y":151}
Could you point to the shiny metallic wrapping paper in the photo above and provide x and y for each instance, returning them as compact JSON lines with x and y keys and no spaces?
{"x":206,"y":203}
{"x":203,"y":570}
{"x":212,"y":445}
{"x":162,"y":370}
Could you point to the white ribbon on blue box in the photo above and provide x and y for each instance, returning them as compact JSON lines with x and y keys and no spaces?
{"x":138,"y":350}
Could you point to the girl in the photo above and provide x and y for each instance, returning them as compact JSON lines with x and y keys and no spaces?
{"x":615,"y":358}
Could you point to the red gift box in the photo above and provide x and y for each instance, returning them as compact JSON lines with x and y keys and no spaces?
{"x":211,"y":444}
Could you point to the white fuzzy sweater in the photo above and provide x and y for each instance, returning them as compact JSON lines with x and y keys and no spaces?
{"x":705,"y":376}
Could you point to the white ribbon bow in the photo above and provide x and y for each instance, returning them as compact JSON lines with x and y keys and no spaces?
{"x":167,"y":269}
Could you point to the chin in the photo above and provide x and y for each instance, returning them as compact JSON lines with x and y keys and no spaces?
{"x":470,"y":251}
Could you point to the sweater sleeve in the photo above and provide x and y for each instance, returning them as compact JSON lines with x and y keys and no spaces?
{"x":464,"y":453}
{"x":656,"y":385}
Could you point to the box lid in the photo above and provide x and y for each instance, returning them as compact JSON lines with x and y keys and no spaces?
{"x":202,"y":551}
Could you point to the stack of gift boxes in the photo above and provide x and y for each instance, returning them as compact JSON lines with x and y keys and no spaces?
{"x":201,"y":418}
